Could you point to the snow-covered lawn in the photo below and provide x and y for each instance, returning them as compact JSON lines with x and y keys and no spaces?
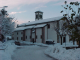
{"x":57,"y":51}
{"x":6,"y":54}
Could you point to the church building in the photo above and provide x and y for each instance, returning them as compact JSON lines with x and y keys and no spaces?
{"x":40,"y":30}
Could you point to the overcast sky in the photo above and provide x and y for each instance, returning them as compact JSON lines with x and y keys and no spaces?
{"x":23,"y":10}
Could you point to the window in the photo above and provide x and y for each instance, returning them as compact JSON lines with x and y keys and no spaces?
{"x":36,"y":16}
{"x":17,"y":38}
{"x":64,"y":39}
{"x":21,"y":32}
{"x":30,"y":37}
{"x":12,"y":33}
{"x":17,"y":33}
{"x":41,"y":16}
{"x":21,"y":38}
{"x":48,"y":25}
{"x":13,"y":38}
{"x":0,"y":14}
{"x":36,"y":36}
{"x":41,"y":36}
{"x":26,"y":37}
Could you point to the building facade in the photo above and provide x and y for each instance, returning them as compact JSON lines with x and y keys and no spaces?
{"x":40,"y":30}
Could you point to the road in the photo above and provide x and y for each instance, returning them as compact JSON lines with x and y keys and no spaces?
{"x":30,"y":53}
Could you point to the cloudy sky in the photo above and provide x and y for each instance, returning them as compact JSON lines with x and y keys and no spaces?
{"x":23,"y":10}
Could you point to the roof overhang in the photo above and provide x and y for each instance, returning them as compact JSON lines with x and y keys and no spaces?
{"x":30,"y":27}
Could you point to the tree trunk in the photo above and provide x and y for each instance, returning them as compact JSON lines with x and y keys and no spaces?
{"x":61,"y":40}
{"x":73,"y":42}
{"x":79,"y":43}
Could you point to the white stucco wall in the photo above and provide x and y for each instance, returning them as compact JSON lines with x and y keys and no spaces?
{"x":33,"y":36}
{"x":15,"y":35}
{"x":60,"y":25}
{"x":67,"y":38}
{"x":19,"y":35}
{"x":51,"y":32}
{"x":59,"y":39}
{"x":39,"y":33}
{"x":27,"y":33}
{"x":61,"y":22}
{"x":45,"y":33}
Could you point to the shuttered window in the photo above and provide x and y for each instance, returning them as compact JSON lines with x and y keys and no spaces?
{"x":13,"y":38}
{"x":21,"y":32}
{"x":48,"y":25}
{"x":17,"y":33}
{"x":21,"y":38}
{"x":26,"y":37}
{"x":30,"y":37}
{"x":41,"y":36}
{"x":36,"y":36}
{"x":17,"y":38}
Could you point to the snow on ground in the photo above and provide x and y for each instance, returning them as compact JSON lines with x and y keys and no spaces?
{"x":9,"y":47}
{"x":57,"y":51}
{"x":39,"y":44}
{"x":32,"y":52}
{"x":70,"y":44}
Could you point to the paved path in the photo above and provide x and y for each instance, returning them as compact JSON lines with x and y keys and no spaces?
{"x":30,"y":53}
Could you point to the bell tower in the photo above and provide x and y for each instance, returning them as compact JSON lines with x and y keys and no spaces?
{"x":38,"y":15}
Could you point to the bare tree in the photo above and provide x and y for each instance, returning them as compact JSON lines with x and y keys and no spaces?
{"x":72,"y":18}
{"x":7,"y":24}
{"x":60,"y":30}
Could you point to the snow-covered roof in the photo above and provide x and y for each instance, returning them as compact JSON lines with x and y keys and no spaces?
{"x":42,"y":25}
{"x":20,"y":28}
{"x":41,"y":21}
{"x":38,"y":11}
{"x":29,"y":27}
{"x":23,"y":28}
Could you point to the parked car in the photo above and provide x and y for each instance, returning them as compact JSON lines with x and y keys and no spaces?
{"x":17,"y":43}
{"x":49,"y":41}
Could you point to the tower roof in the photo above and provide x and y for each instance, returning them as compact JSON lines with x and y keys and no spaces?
{"x":38,"y":12}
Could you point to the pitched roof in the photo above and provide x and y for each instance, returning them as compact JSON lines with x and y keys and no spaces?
{"x":38,"y":12}
{"x":41,"y":21}
{"x":29,"y":27}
